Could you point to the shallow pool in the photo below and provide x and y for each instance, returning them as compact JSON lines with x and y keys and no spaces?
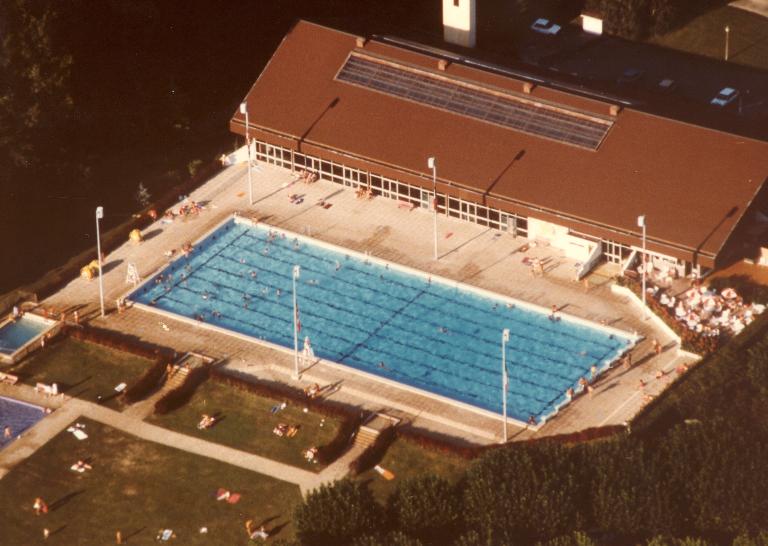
{"x":425,"y":333}
{"x":18,"y":417}
{"x":15,"y":334}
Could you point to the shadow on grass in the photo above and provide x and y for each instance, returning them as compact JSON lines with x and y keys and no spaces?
{"x":132,"y":534}
{"x":64,"y":500}
{"x":58,"y":530}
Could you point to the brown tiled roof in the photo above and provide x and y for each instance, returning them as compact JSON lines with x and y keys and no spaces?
{"x":692,"y":183}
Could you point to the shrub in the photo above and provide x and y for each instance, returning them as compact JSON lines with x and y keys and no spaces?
{"x":332,"y":450}
{"x":427,"y":507}
{"x":146,"y":383}
{"x":337,"y":514}
{"x":374,"y":452}
{"x":175,"y":398}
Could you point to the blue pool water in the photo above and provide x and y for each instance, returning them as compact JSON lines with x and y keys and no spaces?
{"x":15,"y":334}
{"x":427,"y":334}
{"x":19,"y":416}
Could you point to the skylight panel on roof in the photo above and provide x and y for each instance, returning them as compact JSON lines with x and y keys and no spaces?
{"x":508,"y":111}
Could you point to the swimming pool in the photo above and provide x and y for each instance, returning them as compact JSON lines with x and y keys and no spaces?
{"x":18,"y":416}
{"x":17,"y":336}
{"x":426,"y":333}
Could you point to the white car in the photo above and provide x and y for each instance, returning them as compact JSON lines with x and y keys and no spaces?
{"x":545,"y":26}
{"x":725,"y":97}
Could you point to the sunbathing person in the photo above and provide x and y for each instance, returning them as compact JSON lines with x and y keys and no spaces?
{"x":311,"y":454}
{"x":292,"y":431}
{"x":280,"y":430}
{"x":80,"y":466}
{"x":206,"y":421}
{"x":312,"y":391}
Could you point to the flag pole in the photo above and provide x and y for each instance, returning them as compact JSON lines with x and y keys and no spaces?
{"x":296,"y":273}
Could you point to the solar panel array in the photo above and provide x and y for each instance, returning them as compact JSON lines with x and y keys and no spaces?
{"x":457,"y":97}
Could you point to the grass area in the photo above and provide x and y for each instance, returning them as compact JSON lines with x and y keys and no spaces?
{"x":406,"y":459}
{"x":82,"y":369}
{"x":137,"y":487}
{"x":245,"y":422}
{"x":705,"y":35}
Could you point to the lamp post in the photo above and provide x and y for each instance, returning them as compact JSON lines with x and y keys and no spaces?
{"x":296,"y":273}
{"x":99,"y":216}
{"x":432,"y":164}
{"x":641,"y":223}
{"x":727,"y":35}
{"x":504,"y":377}
{"x":244,"y":110}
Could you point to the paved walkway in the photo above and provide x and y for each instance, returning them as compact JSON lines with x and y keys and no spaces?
{"x":755,"y":6}
{"x":468,"y":253}
{"x":68,"y":410}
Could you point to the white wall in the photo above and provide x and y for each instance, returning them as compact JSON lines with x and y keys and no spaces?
{"x":459,"y":22}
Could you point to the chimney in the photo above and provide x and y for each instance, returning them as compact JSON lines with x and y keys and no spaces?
{"x":360,"y":42}
{"x":527,"y":88}
{"x":442,"y":64}
{"x":459,"y":22}
{"x":614,"y":110}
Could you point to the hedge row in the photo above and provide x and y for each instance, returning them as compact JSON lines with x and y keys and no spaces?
{"x":175,"y":398}
{"x":146,"y":383}
{"x":120,"y":342}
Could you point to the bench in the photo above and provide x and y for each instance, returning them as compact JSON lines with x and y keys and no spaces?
{"x":405,"y":205}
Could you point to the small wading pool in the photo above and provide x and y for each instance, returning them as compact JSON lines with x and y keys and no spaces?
{"x":431,"y":334}
{"x":18,"y":416}
{"x":19,"y":336}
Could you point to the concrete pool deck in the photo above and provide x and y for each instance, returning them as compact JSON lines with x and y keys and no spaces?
{"x":468,"y":253}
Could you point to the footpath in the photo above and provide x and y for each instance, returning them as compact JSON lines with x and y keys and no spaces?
{"x":66,"y":410}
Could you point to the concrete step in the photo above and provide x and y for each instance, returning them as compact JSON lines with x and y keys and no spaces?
{"x":365,"y":437}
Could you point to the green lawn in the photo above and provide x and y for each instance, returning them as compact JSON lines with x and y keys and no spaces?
{"x":705,"y":35}
{"x":82,"y":369}
{"x":406,"y":459}
{"x":137,"y":487}
{"x":246,"y":423}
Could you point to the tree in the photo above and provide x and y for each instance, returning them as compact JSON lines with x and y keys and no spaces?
{"x":577,"y":538}
{"x":527,"y":491}
{"x":34,"y":89}
{"x":336,"y":514}
{"x":426,"y":507}
{"x":745,"y":539}
{"x":626,"y":18}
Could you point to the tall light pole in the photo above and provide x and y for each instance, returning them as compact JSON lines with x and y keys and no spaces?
{"x":727,"y":35}
{"x":432,"y":164}
{"x":641,"y":223}
{"x":504,"y":377}
{"x":99,"y":216}
{"x":296,"y":273}
{"x":244,"y":110}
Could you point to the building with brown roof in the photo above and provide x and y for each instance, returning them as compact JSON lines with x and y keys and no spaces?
{"x":511,"y":153}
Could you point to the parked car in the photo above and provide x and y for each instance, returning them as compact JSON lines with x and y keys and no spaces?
{"x":631,"y":75}
{"x":725,"y":97}
{"x":545,"y":26}
{"x":667,"y":85}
